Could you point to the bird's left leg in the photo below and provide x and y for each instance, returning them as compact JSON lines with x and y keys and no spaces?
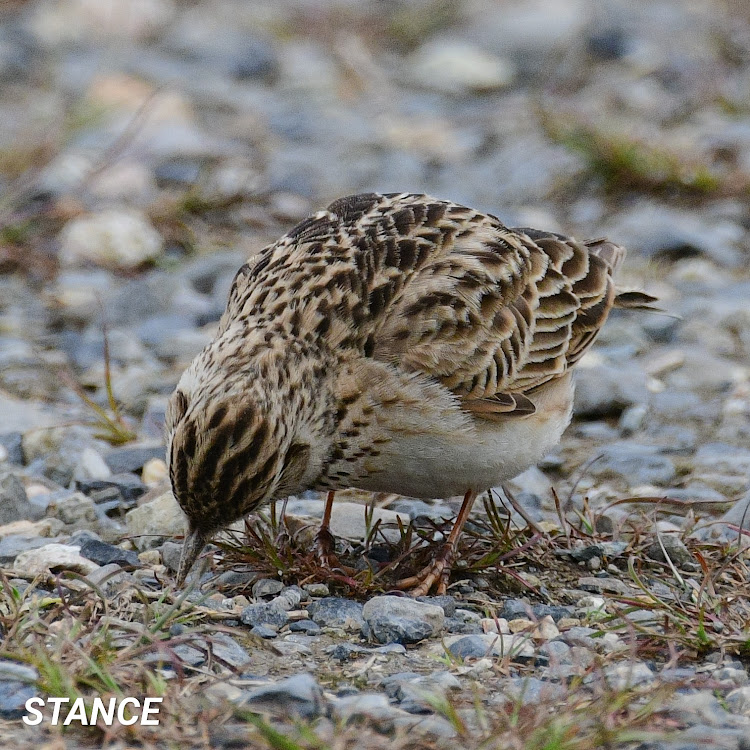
{"x":325,"y":543}
{"x":439,"y":570}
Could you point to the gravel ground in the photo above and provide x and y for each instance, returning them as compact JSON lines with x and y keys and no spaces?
{"x":148,"y":147}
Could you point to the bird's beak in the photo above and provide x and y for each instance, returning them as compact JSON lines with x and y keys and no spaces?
{"x":195,"y":541}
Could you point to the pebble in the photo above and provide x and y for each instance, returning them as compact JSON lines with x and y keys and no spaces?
{"x":14,"y":504}
{"x":53,"y":557}
{"x":266,"y":587}
{"x":105,"y":554}
{"x":263,"y":614}
{"x":305,"y":626}
{"x":297,"y":696}
{"x":112,"y":238}
{"x":17,"y":685}
{"x":335,"y":612}
{"x":459,"y":68}
{"x":149,"y":523}
{"x":396,"y":619}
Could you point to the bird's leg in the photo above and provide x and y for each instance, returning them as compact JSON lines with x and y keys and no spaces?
{"x":439,"y":570}
{"x":325,"y":544}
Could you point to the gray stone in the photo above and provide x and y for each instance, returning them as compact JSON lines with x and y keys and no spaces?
{"x":346,"y":651}
{"x":675,"y":548}
{"x":132,"y":458}
{"x":608,"y":550}
{"x":299,"y":696}
{"x":149,"y":523}
{"x":394,"y":629}
{"x":305,"y":626}
{"x":289,"y":598}
{"x":104,"y":554}
{"x":531,"y":690}
{"x":263,"y":614}
{"x":738,"y":701}
{"x":457,"y":67}
{"x":635,"y":463}
{"x":335,"y":612}
{"x":448,"y":603}
{"x":557,"y":652}
{"x":14,"y":505}
{"x":13,"y":445}
{"x":396,"y":619}
{"x":52,"y":557}
{"x":73,"y":509}
{"x":171,"y":552}
{"x":316,"y":589}
{"x":13,"y":697}
{"x":629,"y":675}
{"x":14,"y":544}
{"x":266,"y":587}
{"x":110,"y":238}
{"x":264,"y":631}
{"x":472,"y":646}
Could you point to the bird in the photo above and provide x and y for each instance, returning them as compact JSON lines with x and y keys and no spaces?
{"x":391,"y":343}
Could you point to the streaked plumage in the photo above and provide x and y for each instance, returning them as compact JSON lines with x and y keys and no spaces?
{"x":393,"y":343}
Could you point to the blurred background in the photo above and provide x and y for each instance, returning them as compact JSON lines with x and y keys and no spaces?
{"x":148,"y":147}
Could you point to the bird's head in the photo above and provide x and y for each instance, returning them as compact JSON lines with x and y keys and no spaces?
{"x":235,"y":441}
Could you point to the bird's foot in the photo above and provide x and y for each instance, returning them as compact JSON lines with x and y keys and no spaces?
{"x":437,"y":572}
{"x":325,"y":550}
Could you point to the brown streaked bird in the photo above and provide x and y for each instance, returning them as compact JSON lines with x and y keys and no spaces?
{"x":392,"y":343}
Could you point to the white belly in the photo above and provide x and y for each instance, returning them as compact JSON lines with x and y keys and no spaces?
{"x":434,"y":465}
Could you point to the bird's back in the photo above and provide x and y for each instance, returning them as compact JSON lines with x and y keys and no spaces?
{"x":427,"y":285}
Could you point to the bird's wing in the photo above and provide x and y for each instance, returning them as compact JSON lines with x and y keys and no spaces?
{"x":434,"y":287}
{"x":490,"y":312}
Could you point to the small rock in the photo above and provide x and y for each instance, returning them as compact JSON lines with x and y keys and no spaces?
{"x":74,"y":510}
{"x":171,"y":552}
{"x":111,"y":238}
{"x":517,"y":647}
{"x":624,"y":676}
{"x":336,"y":612}
{"x":52,"y":557}
{"x":12,"y":442}
{"x":14,"y":504}
{"x":369,"y":706}
{"x":13,"y":545}
{"x":675,"y":548}
{"x":149,"y":523}
{"x":16,"y":687}
{"x":459,"y":68}
{"x":611,"y":585}
{"x":305,"y":626}
{"x":470,"y":647}
{"x":298,"y":696}
{"x":228,"y":650}
{"x":133,"y":458}
{"x":154,"y":472}
{"x":316,"y":589}
{"x":495,"y":625}
{"x":448,"y":603}
{"x":104,"y":554}
{"x":263,"y":614}
{"x":345,"y":651}
{"x":738,"y":701}
{"x":264,"y":631}
{"x":266,"y":587}
{"x":396,"y":619}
